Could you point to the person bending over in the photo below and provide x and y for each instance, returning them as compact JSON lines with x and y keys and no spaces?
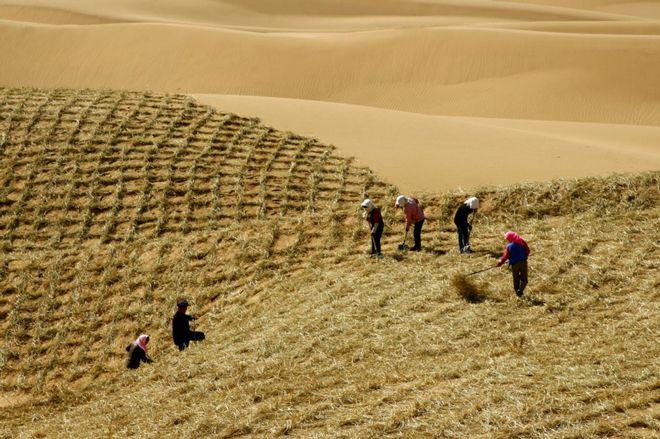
{"x":463,"y":227}
{"x":137,"y":352}
{"x":414,"y":217}
{"x":376,"y":225}
{"x":181,"y":333}
{"x":517,"y":252}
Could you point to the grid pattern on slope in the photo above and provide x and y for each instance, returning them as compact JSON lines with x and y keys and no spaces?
{"x":109,"y":166}
{"x":95,"y":183}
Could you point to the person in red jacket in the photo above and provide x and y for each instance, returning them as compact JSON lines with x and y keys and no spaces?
{"x":517,"y":252}
{"x":376,"y":225}
{"x":414,"y":217}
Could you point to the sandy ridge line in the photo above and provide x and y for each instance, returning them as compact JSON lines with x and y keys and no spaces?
{"x":622,"y":28}
{"x":240,"y":15}
{"x":640,"y":30}
{"x":394,"y":32}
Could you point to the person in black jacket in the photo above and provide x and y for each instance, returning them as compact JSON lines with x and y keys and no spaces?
{"x":181,"y":333}
{"x":376,"y":225}
{"x":137,"y":352}
{"x":463,"y":227}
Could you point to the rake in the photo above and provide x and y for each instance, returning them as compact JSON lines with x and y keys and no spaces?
{"x":481,"y":271}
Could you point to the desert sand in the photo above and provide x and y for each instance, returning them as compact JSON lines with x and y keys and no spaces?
{"x":122,"y":192}
{"x":427,"y":152}
{"x":486,"y":92}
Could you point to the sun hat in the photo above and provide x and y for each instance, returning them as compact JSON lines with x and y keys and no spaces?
{"x":401,"y":200}
{"x":472,"y":203}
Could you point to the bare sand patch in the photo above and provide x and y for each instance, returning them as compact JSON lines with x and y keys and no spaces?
{"x":431,"y":153}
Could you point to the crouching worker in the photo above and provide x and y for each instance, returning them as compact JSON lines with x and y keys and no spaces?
{"x":376,"y":225}
{"x":137,"y":352}
{"x":181,"y":333}
{"x":414,"y":217}
{"x":463,"y":227}
{"x":516,"y":253}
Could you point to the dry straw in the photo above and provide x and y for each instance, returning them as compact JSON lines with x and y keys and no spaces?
{"x":138,"y":199}
{"x":468,"y":289}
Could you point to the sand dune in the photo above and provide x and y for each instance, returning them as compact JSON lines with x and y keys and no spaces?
{"x":113,"y":205}
{"x":645,"y":9}
{"x":429,"y":153}
{"x":315,"y":15}
{"x":649,"y":28}
{"x":48,"y":15}
{"x":449,"y":71}
{"x":589,"y":61}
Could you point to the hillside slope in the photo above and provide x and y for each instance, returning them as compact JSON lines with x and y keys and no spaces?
{"x":115,"y":204}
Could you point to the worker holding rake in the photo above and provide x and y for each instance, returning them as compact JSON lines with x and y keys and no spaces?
{"x":414,"y":217}
{"x":463,"y":227}
{"x":376,"y":225}
{"x":516,"y":253}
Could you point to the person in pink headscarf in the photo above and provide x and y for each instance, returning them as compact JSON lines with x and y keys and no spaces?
{"x":137,"y":352}
{"x":517,"y":252}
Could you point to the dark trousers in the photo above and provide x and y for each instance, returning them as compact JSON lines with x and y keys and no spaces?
{"x":463,"y":235}
{"x":375,"y":238}
{"x":519,"y":271}
{"x":184,"y":341}
{"x":417,"y":234}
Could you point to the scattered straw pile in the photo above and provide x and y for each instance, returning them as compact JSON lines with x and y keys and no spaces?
{"x":114,"y":204}
{"x":467,"y":288}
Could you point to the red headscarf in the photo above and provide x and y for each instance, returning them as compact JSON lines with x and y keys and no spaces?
{"x":142,"y":341}
{"x":514,"y":237}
